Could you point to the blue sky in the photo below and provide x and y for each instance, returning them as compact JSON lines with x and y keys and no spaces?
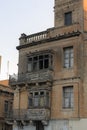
{"x":21,"y":16}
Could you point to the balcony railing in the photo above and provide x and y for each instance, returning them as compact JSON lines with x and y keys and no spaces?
{"x":29,"y":114}
{"x":30,"y":77}
{"x":49,"y":33}
{"x":37,"y":37}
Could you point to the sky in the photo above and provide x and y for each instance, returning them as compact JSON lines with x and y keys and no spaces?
{"x":17,"y":17}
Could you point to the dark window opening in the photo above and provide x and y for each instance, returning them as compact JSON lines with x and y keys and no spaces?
{"x":39,"y":62}
{"x":36,"y":93}
{"x":68,"y":18}
{"x":6,"y":106}
{"x":30,"y":101}
{"x":42,"y":93}
{"x":46,"y":63}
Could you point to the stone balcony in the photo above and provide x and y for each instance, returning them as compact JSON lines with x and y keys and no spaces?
{"x":48,"y":34}
{"x":29,"y":114}
{"x":40,"y":76}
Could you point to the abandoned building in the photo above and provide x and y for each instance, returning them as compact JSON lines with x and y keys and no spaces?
{"x":51,"y":85}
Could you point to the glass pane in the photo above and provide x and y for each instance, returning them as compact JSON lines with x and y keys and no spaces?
{"x":46,"y":63}
{"x":35,"y":66}
{"x":66,"y":94}
{"x":30,"y":102}
{"x":71,"y":62}
{"x":29,"y":66}
{"x":68,"y":97}
{"x":41,"y":64}
{"x":72,"y":102}
{"x":47,"y":103}
{"x":42,"y":93}
{"x":66,"y":65}
{"x":71,"y":50}
{"x":41,"y":57}
{"x":66,"y":50}
{"x":71,"y":55}
{"x":66,"y":103}
{"x":46,"y":56}
{"x":66,"y":61}
{"x":66,"y":55}
{"x":41,"y":101}
{"x":35,"y":58}
{"x":29,"y":59}
{"x":36,"y":101}
{"x":6,"y":106}
{"x":36,"y":94}
{"x":68,"y":18}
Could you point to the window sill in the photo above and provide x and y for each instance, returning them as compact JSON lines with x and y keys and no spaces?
{"x":67,"y":109}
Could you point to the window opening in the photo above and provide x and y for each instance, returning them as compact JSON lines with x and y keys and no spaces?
{"x":68,"y":18}
{"x":68,"y":57}
{"x":39,"y":62}
{"x":68,"y":97}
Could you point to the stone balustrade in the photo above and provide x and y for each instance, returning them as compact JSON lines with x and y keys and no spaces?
{"x":49,"y":33}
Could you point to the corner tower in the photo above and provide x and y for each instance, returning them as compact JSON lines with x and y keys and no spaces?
{"x":69,"y":12}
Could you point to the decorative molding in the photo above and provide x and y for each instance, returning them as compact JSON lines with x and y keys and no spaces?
{"x":51,"y":39}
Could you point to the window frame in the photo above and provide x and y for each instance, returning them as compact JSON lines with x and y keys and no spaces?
{"x":35,"y":64}
{"x":42,"y":97}
{"x":68,"y":97}
{"x":68,"y":18}
{"x":68,"y":57}
{"x":6,"y":106}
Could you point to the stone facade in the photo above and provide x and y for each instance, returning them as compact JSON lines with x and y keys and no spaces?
{"x":51,"y":85}
{"x":6,"y":101}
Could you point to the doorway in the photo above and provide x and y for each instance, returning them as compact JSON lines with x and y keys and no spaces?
{"x":39,"y":125}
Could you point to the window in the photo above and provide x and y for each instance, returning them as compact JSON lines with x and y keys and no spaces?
{"x":30,"y":99}
{"x":68,"y":18}
{"x":68,"y":57}
{"x":39,"y":99}
{"x":10,"y":106}
{"x":68,"y":97}
{"x":36,"y":99}
{"x":30,"y":64}
{"x":39,"y":62}
{"x":6,"y":106}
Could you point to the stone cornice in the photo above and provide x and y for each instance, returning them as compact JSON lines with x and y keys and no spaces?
{"x":51,"y":39}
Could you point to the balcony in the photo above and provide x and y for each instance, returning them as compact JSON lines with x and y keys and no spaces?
{"x":32,"y":77}
{"x":29,"y":114}
{"x":49,"y":33}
